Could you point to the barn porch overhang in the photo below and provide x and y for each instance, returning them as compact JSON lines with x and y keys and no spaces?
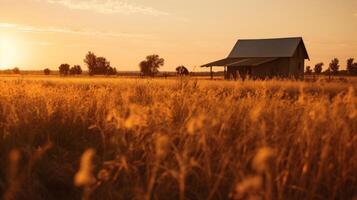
{"x":222,"y":62}
{"x":239,"y":62}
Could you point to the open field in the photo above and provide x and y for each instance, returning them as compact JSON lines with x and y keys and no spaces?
{"x":116,"y":138}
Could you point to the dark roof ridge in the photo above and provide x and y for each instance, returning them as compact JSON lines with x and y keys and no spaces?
{"x":284,"y":38}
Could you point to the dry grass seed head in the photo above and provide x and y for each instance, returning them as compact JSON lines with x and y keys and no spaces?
{"x":84,"y":177}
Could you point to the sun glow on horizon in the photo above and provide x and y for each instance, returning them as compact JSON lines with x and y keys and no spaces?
{"x":9,"y":52}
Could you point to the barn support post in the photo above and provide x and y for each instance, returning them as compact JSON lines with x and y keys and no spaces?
{"x":211,"y":73}
{"x":225,"y":73}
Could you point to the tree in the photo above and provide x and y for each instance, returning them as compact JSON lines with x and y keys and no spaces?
{"x":98,"y":65}
{"x":144,"y":68}
{"x":334,"y":66}
{"x":64,"y":69}
{"x":72,"y":71}
{"x":150,"y":66}
{"x":47,"y":71}
{"x":350,"y":63}
{"x":182,"y":71}
{"x":308,"y":70}
{"x":102,"y":66}
{"x":78,"y":69}
{"x":16,"y":70}
{"x":318,"y":68}
{"x":351,"y":67}
{"x":75,"y":70}
{"x":91,"y":61}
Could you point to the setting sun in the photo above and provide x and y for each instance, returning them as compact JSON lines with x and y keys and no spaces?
{"x":9,"y":52}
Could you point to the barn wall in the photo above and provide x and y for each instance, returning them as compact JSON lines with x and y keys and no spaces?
{"x":277,"y":68}
{"x":297,"y":63}
{"x":232,"y":72}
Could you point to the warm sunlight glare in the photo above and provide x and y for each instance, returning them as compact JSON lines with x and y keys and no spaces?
{"x":8,"y":52}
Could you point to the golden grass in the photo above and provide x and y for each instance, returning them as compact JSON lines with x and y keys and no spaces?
{"x":177,"y":139}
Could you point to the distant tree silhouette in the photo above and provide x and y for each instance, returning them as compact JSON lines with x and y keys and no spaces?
{"x":150,"y":66}
{"x":47,"y":71}
{"x":98,"y":65}
{"x":334,"y":66}
{"x":72,"y":71}
{"x":91,"y":61}
{"x":182,"y":71}
{"x":318,"y":68}
{"x":350,"y":63}
{"x":78,"y":69}
{"x":75,"y":70}
{"x":351,"y":67}
{"x":111,"y":71}
{"x":102,"y":66}
{"x":16,"y":70}
{"x":308,"y":70}
{"x":64,"y":69}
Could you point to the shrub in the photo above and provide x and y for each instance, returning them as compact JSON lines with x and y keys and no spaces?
{"x":182,"y":71}
{"x":47,"y":71}
{"x":16,"y":70}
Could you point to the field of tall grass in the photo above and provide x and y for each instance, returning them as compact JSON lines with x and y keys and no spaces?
{"x":81,"y":138}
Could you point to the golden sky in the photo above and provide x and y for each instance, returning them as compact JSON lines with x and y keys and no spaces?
{"x":35,"y":34}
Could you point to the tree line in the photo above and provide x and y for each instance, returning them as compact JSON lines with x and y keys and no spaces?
{"x":101,"y":66}
{"x":333,"y":68}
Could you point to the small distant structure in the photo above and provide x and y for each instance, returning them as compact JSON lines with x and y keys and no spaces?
{"x":264,"y":58}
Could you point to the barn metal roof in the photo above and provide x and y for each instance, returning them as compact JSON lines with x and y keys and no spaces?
{"x":252,"y":62}
{"x":222,"y":62}
{"x":240,"y":62}
{"x":263,"y":48}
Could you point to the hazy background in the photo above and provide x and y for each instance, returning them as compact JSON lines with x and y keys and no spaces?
{"x":35,"y":34}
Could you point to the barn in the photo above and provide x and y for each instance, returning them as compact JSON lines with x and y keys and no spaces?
{"x":264,"y":58}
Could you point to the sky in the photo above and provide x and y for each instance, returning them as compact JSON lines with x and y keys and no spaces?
{"x":38,"y":34}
